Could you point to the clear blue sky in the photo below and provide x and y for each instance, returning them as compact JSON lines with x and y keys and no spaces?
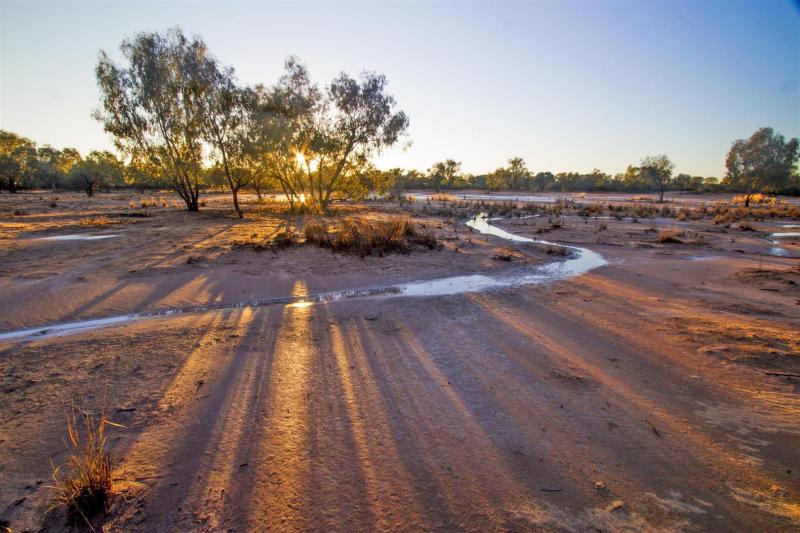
{"x":567,"y":86}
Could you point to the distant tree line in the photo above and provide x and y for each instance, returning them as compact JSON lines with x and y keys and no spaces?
{"x":23,"y":165}
{"x":766,"y":163}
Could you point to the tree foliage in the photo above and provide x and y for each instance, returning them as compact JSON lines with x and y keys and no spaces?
{"x":763,"y":163}
{"x":151,"y":106}
{"x":99,"y":169}
{"x":445,"y":174}
{"x":17,"y":160}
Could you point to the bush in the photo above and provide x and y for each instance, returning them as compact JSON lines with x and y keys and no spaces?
{"x":668,"y":236}
{"x":365,"y":237}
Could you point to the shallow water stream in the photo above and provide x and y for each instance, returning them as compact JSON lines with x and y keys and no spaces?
{"x":581,"y":260}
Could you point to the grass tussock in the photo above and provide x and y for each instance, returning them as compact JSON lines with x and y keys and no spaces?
{"x":367,"y":237}
{"x":443,"y":198}
{"x":281,"y":240}
{"x":82,"y":485}
{"x":99,"y":221}
{"x":669,"y":237}
{"x":554,"y":249}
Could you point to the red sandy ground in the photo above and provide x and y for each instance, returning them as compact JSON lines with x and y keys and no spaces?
{"x":640,"y":396}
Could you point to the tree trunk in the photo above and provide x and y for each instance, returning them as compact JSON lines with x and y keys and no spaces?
{"x":235,"y":193}
{"x":12,"y":186}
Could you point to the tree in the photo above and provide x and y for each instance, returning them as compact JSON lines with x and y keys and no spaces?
{"x":657,"y":169}
{"x":148,"y":105}
{"x":445,"y":174}
{"x":225,"y":112}
{"x":17,"y":160}
{"x":514,"y":177}
{"x":48,"y":170}
{"x":763,"y":163}
{"x":99,"y":169}
{"x":544,"y":180}
{"x":683,"y":181}
{"x":356,"y":120}
{"x":315,"y":143}
{"x":282,"y":123}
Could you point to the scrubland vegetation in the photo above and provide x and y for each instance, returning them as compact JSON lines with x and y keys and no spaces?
{"x":352,"y":235}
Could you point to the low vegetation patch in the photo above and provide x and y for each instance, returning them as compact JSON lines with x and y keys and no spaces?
{"x":669,"y":237}
{"x":368,"y":237}
{"x":83,"y":484}
{"x":756,"y":199}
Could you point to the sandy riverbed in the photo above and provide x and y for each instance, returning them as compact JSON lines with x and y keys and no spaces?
{"x":640,"y":396}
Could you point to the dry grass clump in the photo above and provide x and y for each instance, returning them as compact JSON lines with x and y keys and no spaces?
{"x":283,"y":239}
{"x":364,"y":237}
{"x":99,"y":221}
{"x":746,"y":226}
{"x":83,"y":485}
{"x":443,"y":198}
{"x":669,"y":236}
{"x":552,"y":249}
{"x":725,"y":219}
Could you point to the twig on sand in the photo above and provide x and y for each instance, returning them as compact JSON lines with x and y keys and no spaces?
{"x":654,"y":428}
{"x":784,"y":374}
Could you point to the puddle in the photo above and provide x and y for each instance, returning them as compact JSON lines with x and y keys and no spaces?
{"x":704,"y":257}
{"x":581,"y":261}
{"x":778,"y":252}
{"x":77,"y":237}
{"x":785,"y":234}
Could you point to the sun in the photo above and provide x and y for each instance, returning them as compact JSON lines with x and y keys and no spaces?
{"x":300,"y":158}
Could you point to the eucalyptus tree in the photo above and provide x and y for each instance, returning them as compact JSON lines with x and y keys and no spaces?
{"x":445,"y":174}
{"x":48,"y":170}
{"x":657,"y":169}
{"x":53,"y":165}
{"x":762,"y":163}
{"x":513,"y":177}
{"x":17,"y":160}
{"x":357,"y":119}
{"x":99,"y":169}
{"x":227,"y":114}
{"x":149,"y":105}
{"x":282,"y":125}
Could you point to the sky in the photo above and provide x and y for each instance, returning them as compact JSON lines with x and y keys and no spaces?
{"x":566,"y":86}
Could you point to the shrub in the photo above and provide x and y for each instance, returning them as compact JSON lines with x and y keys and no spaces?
{"x":724,"y":218}
{"x":746,"y":226}
{"x":365,"y":238}
{"x":284,"y":239}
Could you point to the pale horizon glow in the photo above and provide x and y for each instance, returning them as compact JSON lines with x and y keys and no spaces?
{"x":566,"y":86}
